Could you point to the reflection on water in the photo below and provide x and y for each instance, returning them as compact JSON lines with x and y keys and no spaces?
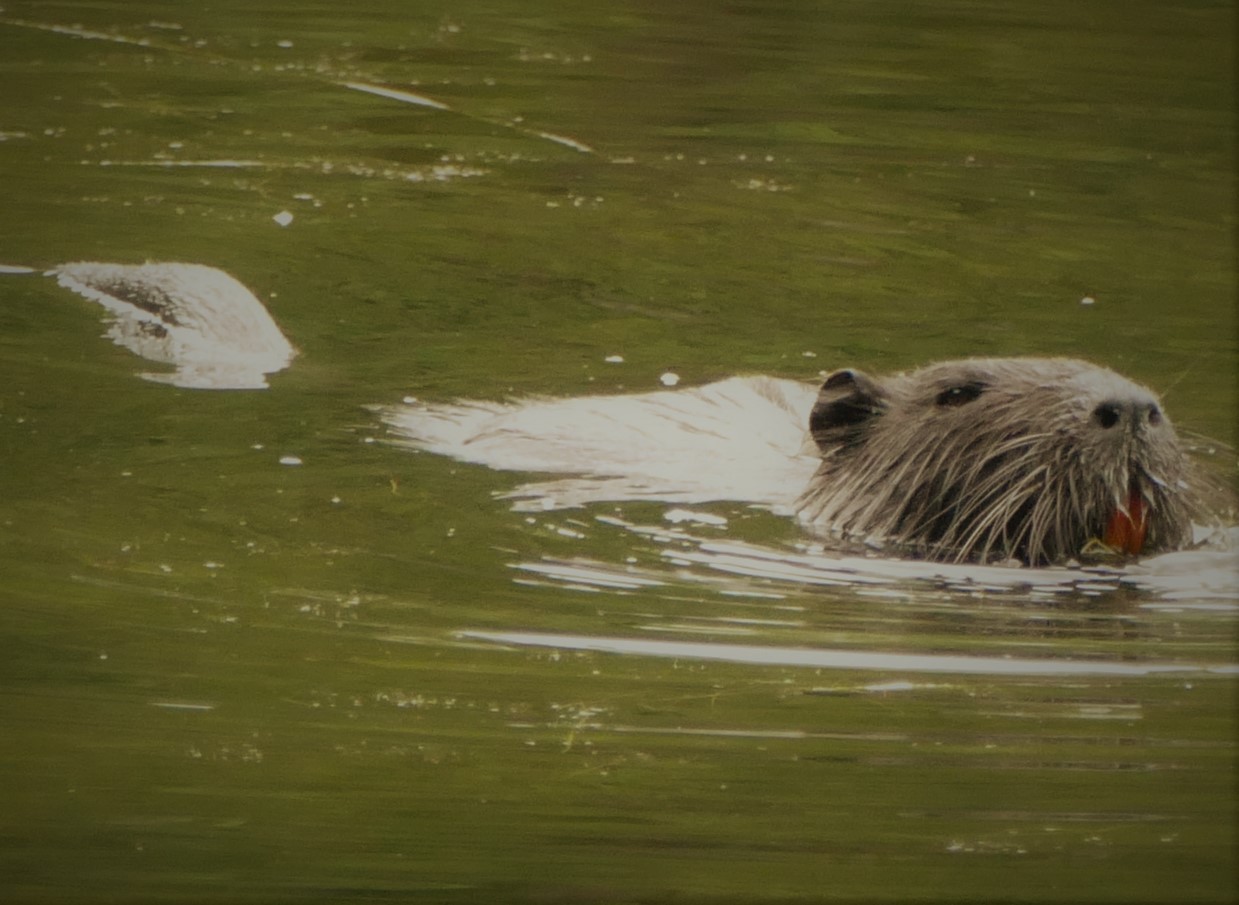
{"x":197,"y":319}
{"x":1193,"y":579}
{"x":840,"y":659}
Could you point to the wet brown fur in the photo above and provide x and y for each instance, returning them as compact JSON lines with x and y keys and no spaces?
{"x":994,"y":459}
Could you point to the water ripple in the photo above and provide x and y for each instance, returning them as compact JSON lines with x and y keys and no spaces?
{"x":848,"y":659}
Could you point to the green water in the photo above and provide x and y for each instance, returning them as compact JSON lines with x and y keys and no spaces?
{"x":229,"y":679}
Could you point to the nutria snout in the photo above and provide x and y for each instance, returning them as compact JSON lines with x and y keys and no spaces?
{"x":1025,"y":458}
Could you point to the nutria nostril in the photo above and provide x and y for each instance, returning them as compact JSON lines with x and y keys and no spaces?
{"x":1108,"y":414}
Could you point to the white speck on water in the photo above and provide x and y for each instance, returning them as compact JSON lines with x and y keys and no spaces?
{"x":1087,"y":300}
{"x":676,"y":516}
{"x":614,"y":359}
{"x":182,"y":705}
{"x":895,"y":686}
{"x":669,"y":379}
{"x":409,"y":400}
{"x":283,"y":218}
{"x":290,"y":460}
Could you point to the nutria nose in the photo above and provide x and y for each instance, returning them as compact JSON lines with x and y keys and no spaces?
{"x":1134,"y":412}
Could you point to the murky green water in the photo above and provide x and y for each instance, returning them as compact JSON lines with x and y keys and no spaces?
{"x":229,"y":679}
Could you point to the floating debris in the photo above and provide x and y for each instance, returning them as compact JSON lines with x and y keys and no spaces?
{"x":407,"y":97}
{"x":420,"y":100}
{"x":77,"y":31}
{"x":565,"y":141}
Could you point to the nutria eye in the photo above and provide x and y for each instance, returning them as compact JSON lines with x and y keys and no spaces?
{"x":960,"y":395}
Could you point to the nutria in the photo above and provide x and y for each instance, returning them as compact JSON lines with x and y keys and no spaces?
{"x":1039,"y":460}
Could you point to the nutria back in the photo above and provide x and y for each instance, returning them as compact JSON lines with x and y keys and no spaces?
{"x":1035,"y":459}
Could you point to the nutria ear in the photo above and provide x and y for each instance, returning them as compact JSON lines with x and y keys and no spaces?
{"x":846,"y":405}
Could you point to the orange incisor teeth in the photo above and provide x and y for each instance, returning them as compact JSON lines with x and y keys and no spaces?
{"x":1127,"y":528}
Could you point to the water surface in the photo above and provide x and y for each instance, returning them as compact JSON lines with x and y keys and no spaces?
{"x":364,"y":676}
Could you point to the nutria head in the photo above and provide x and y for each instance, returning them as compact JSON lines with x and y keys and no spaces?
{"x":993,"y":459}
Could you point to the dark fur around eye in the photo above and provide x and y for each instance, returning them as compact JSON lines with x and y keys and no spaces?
{"x":961,"y":394}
